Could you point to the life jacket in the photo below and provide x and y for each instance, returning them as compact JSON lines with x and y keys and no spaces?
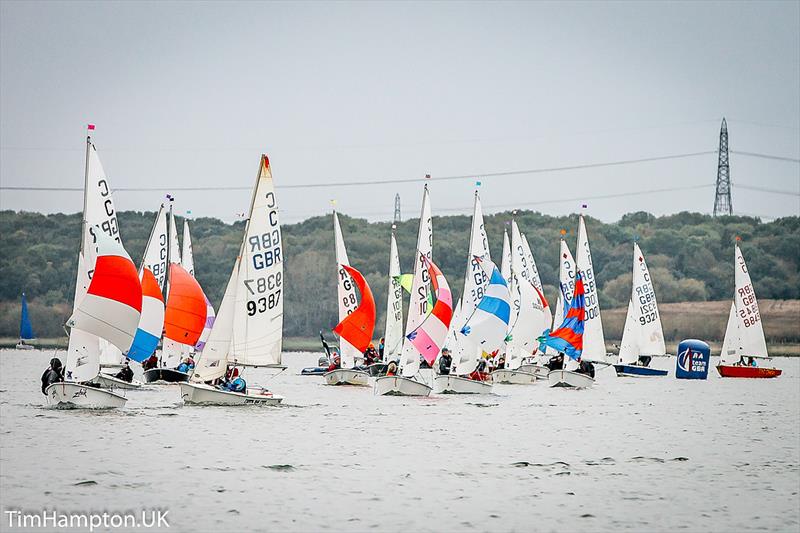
{"x":237,"y":385}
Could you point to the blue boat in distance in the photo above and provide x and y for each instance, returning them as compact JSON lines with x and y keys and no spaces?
{"x":25,"y":328}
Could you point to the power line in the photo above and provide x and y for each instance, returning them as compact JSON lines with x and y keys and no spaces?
{"x":766,"y":156}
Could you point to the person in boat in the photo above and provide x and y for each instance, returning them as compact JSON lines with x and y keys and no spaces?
{"x":751,"y":361}
{"x":644,"y":360}
{"x":391,"y":370}
{"x":125,"y":373}
{"x":150,"y":362}
{"x":186,"y":365}
{"x":235,"y":383}
{"x":445,"y":361}
{"x":480,"y":373}
{"x":585,"y":367}
{"x":381,"y":347}
{"x":336,"y":360}
{"x":53,"y":374}
{"x":501,"y":363}
{"x":371,"y":355}
{"x":556,"y":362}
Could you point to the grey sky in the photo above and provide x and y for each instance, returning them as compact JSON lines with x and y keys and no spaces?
{"x":189,"y":94}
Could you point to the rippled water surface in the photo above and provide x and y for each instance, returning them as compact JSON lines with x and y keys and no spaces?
{"x":632,"y":454}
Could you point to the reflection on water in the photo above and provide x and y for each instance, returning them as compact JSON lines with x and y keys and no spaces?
{"x":633,"y":454}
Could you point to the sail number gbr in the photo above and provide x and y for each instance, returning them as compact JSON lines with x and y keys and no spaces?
{"x":269,"y":287}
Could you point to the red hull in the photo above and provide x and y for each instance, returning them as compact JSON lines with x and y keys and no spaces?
{"x":731,"y":371}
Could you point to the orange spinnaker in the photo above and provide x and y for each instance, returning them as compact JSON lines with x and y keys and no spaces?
{"x":357,"y":327}
{"x":185,"y":315}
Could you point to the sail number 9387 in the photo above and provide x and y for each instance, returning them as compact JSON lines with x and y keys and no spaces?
{"x":270,"y":287}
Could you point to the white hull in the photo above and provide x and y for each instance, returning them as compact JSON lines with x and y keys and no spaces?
{"x":344,"y":376}
{"x":513,"y":377}
{"x":110,"y":382}
{"x":77,"y":396}
{"x":21,"y":346}
{"x":400,"y":386}
{"x":565,"y":378}
{"x":540,"y":371}
{"x":457,"y":385}
{"x":201,"y":394}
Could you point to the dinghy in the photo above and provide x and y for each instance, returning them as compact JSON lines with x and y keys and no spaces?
{"x":568,"y":339}
{"x":393,"y":331}
{"x":248,"y":330}
{"x":643,"y":336}
{"x":111,"y":382}
{"x":594,"y":343}
{"x":468,"y":352}
{"x":108,"y":297}
{"x":25,"y":328}
{"x":744,"y":342}
{"x":426,"y":331}
{"x":356,"y":322}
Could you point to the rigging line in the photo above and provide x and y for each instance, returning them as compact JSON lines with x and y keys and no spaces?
{"x":767,"y":156}
{"x":764,"y":189}
{"x":334,"y":183}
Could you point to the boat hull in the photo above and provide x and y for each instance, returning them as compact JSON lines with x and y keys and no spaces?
{"x":78,"y":396}
{"x":539,"y":370}
{"x":167,"y":375}
{"x":202,"y":394}
{"x":513,"y":377}
{"x":400,"y":386}
{"x":24,"y":347}
{"x":347,"y":376}
{"x":313,"y":371}
{"x":734,"y":371}
{"x":573,"y":380}
{"x":449,"y":384}
{"x":377,"y":369}
{"x":638,"y":371}
{"x":110,"y":382}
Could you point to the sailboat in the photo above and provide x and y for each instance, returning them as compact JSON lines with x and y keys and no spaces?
{"x":744,"y":341}
{"x":184,"y":312}
{"x":25,"y":328}
{"x":187,"y":262}
{"x":108,"y":297}
{"x":594,"y":344}
{"x":354,"y":319}
{"x":529,"y":315}
{"x":466,"y":352}
{"x":643,"y":336}
{"x":248,"y":330}
{"x":409,"y":382}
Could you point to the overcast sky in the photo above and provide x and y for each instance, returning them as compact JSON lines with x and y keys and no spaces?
{"x":189,"y":94}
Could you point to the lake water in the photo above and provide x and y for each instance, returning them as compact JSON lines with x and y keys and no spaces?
{"x":633,"y":454}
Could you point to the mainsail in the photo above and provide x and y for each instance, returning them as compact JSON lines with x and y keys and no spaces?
{"x":643,"y":334}
{"x":346,"y":294}
{"x":566,"y":282}
{"x":744,"y":335}
{"x":419,"y":303}
{"x":187,"y":257}
{"x":393,"y":333}
{"x":428,"y":338}
{"x":505,"y":261}
{"x":594,"y":344}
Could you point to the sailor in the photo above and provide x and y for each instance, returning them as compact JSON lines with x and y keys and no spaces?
{"x":391,"y":370}
{"x":336,"y":360}
{"x":479,"y":374}
{"x":751,"y":361}
{"x":585,"y":367}
{"x":150,"y":362}
{"x":501,"y":362}
{"x":556,"y":362}
{"x":125,"y":373}
{"x":381,"y":347}
{"x":644,"y":360}
{"x":184,"y":366}
{"x":445,"y":361}
{"x":235,"y":383}
{"x":53,"y":374}
{"x":371,"y":355}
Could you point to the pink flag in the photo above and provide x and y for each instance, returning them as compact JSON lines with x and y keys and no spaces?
{"x":90,"y":127}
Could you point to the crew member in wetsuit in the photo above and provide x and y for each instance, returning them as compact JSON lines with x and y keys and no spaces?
{"x":235,"y":383}
{"x":371,"y":355}
{"x":585,"y":367}
{"x":336,"y":360}
{"x":150,"y":362}
{"x":445,"y":361}
{"x":125,"y":373}
{"x":556,"y":362}
{"x":644,"y":360}
{"x":480,"y":374}
{"x":53,"y":374}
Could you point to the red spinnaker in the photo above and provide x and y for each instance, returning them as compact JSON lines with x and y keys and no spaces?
{"x":185,"y":315}
{"x":357,"y":327}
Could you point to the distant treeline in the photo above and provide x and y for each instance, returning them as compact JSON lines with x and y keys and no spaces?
{"x":690,"y":258}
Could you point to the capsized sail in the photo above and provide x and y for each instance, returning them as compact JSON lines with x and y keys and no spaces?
{"x":568,"y":338}
{"x":594,"y":344}
{"x":346,"y":294}
{"x":25,"y":328}
{"x":393,"y":332}
{"x":356,"y":328}
{"x":643,"y":334}
{"x":418,"y":305}
{"x":428,"y":338}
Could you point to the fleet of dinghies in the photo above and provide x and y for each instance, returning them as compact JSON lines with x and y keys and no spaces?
{"x":122,"y":313}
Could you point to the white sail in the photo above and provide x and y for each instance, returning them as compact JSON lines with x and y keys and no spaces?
{"x":212,"y":362}
{"x":420,"y":287}
{"x":345,"y":292}
{"x":751,"y":332}
{"x":155,"y":253}
{"x":258,"y":320}
{"x":643,"y":334}
{"x":566,"y":283}
{"x":393,"y":333}
{"x":466,"y":354}
{"x":527,"y":308}
{"x":173,"y":352}
{"x":547,"y":314}
{"x":505,"y":261}
{"x":84,"y":350}
{"x":731,"y":346}
{"x":594,"y":344}
{"x":174,"y":245}
{"x":187,"y":257}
